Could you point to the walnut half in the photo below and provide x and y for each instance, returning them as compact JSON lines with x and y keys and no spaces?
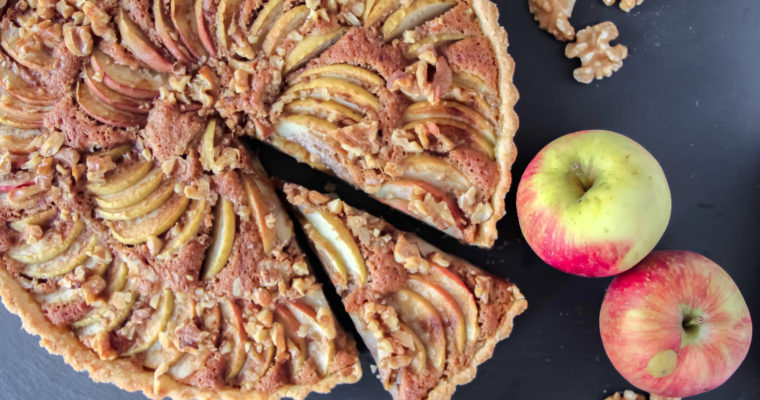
{"x":552,"y":16}
{"x":598,"y":58}
{"x":625,"y":5}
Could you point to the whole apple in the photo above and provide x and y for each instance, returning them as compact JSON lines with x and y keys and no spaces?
{"x":593,"y":203}
{"x":675,"y":325}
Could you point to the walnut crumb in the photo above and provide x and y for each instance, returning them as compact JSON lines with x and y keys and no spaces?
{"x":598,"y":58}
{"x":552,"y":16}
{"x":625,"y":5}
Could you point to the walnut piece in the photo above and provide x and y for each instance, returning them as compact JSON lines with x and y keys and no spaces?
{"x":552,"y":16}
{"x":625,"y":5}
{"x":631,"y":395}
{"x":598,"y":58}
{"x":78,"y":39}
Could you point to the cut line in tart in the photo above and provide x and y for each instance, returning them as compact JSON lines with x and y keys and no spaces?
{"x":428,"y":318}
{"x":142,"y":241}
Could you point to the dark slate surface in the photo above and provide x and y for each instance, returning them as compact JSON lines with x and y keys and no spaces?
{"x":689,"y":92}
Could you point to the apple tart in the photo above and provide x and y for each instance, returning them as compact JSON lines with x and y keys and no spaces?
{"x":428,"y":318}
{"x":179,"y":286}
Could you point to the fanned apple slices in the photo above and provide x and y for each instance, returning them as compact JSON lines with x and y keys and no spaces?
{"x":427,"y":317}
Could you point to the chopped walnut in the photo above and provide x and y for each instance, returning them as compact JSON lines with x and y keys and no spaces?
{"x":598,"y":58}
{"x":625,"y":5}
{"x":552,"y":16}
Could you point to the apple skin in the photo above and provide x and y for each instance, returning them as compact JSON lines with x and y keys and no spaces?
{"x":593,"y":203}
{"x":644,"y":313}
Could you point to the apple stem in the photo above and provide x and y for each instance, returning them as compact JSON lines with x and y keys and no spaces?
{"x":694,"y":322}
{"x":581,"y":176}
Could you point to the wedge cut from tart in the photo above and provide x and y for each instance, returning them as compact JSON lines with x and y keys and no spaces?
{"x":423,"y":91}
{"x":189,"y":288}
{"x":428,"y":318}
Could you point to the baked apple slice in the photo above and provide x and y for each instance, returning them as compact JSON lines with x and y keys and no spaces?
{"x":223,"y":238}
{"x":329,"y":110}
{"x":133,"y":194}
{"x":296,"y":127}
{"x":416,"y":14}
{"x":358,"y":75}
{"x":138,"y":43}
{"x":224,"y":17}
{"x":151,"y":202}
{"x":264,"y":21}
{"x":113,"y":98}
{"x":157,"y":323}
{"x":139,"y":83}
{"x":435,"y":41}
{"x":434,"y":170}
{"x":36,"y":57}
{"x":183,"y":17}
{"x":451,"y":110}
{"x":51,"y":245}
{"x":283,"y":25}
{"x":336,"y":89}
{"x":376,"y":10}
{"x":332,"y":229}
{"x":203,"y":30}
{"x":121,"y":179}
{"x":74,"y":256}
{"x":21,"y":88}
{"x":196,"y":213}
{"x":167,"y":33}
{"x":158,"y":221}
{"x":418,"y":311}
{"x":234,"y":333}
{"x":103,"y":112}
{"x":275,"y":228}
{"x":476,"y":139}
{"x":310,"y":47}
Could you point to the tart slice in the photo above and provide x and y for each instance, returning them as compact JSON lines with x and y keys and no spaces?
{"x":181,"y":287}
{"x":428,"y":318}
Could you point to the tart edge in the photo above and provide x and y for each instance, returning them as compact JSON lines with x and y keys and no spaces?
{"x":506,"y":153}
{"x":125,"y":375}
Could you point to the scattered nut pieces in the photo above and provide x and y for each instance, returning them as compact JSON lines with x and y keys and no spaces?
{"x":598,"y":58}
{"x":625,"y":5}
{"x":552,"y":16}
{"x":78,"y":39}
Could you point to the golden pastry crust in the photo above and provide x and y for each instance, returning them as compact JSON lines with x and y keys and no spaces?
{"x":506,"y":153}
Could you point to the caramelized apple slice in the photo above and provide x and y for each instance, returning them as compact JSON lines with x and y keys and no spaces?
{"x":20,"y":141}
{"x":140,"y":84}
{"x":452,"y":284}
{"x":39,"y":60}
{"x":132,"y":195}
{"x":121,"y":179}
{"x":234,"y":332}
{"x":419,"y":362}
{"x":288,"y":22}
{"x":357,"y":75}
{"x":50,"y":246}
{"x":31,"y":115}
{"x":154,"y":326}
{"x":274,"y":225}
{"x":291,"y":326}
{"x":407,"y":18}
{"x":110,"y":316}
{"x":450,"y":110}
{"x":478,"y":140}
{"x":321,"y":351}
{"x":329,"y":255}
{"x":103,"y":112}
{"x":203,"y":32}
{"x":447,"y":306}
{"x":327,"y":110}
{"x":380,"y":10}
{"x":333,"y":229}
{"x":167,"y":33}
{"x":21,"y":89}
{"x":433,"y":170}
{"x":16,"y":123}
{"x":158,"y":221}
{"x":136,"y":42}
{"x":183,"y":16}
{"x":297,"y":127}
{"x":423,"y":318}
{"x":264,"y":21}
{"x":340,"y":90}
{"x":196,"y":215}
{"x":113,"y":98}
{"x":39,"y":218}
{"x":473,"y":82}
{"x":74,"y":256}
{"x":311,"y":47}
{"x":155,"y":200}
{"x":224,"y":14}
{"x":223,"y":238}
{"x":413,"y":51}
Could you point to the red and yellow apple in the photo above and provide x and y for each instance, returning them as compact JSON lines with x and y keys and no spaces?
{"x":675,"y":325}
{"x":593,"y":203}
